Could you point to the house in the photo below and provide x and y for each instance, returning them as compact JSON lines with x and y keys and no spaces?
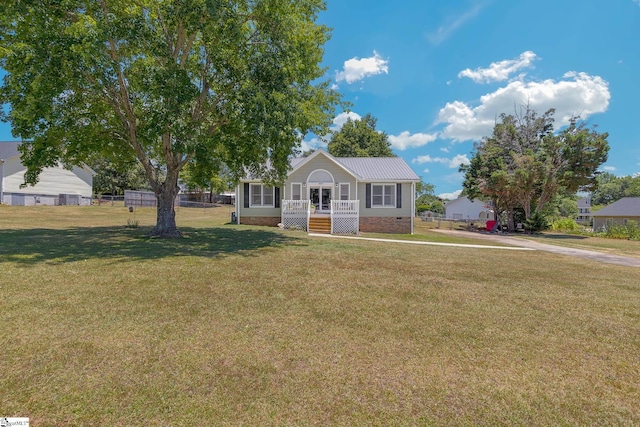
{"x":334,"y":194}
{"x":620,"y":212}
{"x":584,"y":210}
{"x":464,"y":209}
{"x":56,"y":185}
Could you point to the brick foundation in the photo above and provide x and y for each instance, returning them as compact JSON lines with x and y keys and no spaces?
{"x":394,"y":225}
{"x":270,"y":221}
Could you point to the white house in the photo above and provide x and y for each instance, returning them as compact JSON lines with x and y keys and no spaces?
{"x":323,"y":193}
{"x":56,"y":186}
{"x":462,"y":209}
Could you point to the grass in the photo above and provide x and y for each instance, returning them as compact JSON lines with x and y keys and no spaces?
{"x":236,"y":325}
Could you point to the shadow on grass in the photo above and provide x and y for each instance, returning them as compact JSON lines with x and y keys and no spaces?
{"x":561,"y":236}
{"x":51,"y":245}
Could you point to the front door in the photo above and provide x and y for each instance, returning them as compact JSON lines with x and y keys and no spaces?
{"x":320,"y":197}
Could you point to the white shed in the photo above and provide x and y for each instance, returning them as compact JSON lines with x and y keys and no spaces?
{"x":462,"y":209}
{"x":56,"y":185}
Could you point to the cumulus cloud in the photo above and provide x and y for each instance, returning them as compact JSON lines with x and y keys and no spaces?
{"x":499,"y":71}
{"x":455,"y":162}
{"x":356,"y":69}
{"x":610,"y":168}
{"x":407,"y":140}
{"x":321,"y":141}
{"x":576,"y":94}
{"x":342,"y":118}
{"x":450,"y":196}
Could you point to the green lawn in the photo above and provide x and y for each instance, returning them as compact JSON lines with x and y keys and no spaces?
{"x":237,"y":325}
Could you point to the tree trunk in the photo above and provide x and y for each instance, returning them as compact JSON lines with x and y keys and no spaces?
{"x":166,"y":219}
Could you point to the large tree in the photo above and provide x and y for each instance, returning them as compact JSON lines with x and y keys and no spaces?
{"x":359,"y":138}
{"x":166,"y":82}
{"x":525,"y":164}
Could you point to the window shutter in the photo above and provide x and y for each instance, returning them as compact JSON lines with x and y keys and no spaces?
{"x":276,"y":197}
{"x":246,"y":194}
{"x":398,"y":195}
{"x":368,"y":195}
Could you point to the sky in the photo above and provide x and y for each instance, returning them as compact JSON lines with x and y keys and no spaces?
{"x":437,"y":74}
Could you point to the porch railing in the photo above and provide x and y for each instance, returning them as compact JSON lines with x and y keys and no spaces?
{"x":345,"y":216}
{"x":295,"y":214}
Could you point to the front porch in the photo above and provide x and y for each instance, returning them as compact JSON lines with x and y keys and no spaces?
{"x":343,"y":216}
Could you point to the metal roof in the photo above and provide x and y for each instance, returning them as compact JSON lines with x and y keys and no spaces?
{"x":8,"y":149}
{"x":627,"y":206}
{"x":379,"y":168}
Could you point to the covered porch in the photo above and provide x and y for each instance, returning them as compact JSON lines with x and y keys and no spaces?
{"x":342,"y":217}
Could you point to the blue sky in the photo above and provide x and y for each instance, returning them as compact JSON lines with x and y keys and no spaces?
{"x":436,"y":73}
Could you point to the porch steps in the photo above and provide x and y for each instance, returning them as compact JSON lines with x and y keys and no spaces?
{"x":320,"y":225}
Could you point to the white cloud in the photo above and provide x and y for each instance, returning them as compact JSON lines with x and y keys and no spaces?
{"x":426,"y":170}
{"x":577,"y":94}
{"x":450,"y":196}
{"x":342,"y":118}
{"x":499,"y":71}
{"x":407,"y":140}
{"x":610,"y":168}
{"x":356,"y":69}
{"x":445,"y":31}
{"x":444,"y":149}
{"x":321,"y":141}
{"x":455,"y":162}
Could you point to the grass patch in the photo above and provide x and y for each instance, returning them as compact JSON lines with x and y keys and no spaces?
{"x":630,"y":248}
{"x":249,"y":325}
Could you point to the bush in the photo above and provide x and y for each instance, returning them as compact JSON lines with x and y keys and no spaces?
{"x":536,"y":222}
{"x":565,"y":224}
{"x":628,"y":231}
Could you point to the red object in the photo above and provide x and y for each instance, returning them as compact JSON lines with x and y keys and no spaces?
{"x":491,"y":225}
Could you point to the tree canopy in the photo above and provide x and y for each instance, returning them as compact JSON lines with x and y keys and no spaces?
{"x":524,"y":164}
{"x":359,"y":138}
{"x":612,"y":188}
{"x":165,"y":82}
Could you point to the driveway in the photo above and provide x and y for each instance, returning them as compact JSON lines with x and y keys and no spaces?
{"x":525,"y":243}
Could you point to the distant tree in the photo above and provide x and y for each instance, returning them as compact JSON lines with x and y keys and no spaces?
{"x":524,"y":164}
{"x":359,"y":138}
{"x":426,"y":200}
{"x":611,"y":188}
{"x":169,"y":81}
{"x":116,"y":177}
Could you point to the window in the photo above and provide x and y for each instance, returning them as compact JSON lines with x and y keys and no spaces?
{"x":344,"y":191}
{"x":383,"y":196}
{"x":296,"y":191}
{"x":261,"y":195}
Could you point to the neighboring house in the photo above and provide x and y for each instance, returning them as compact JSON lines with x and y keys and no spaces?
{"x":584,"y":209}
{"x":464,"y":209}
{"x":620,"y":212}
{"x":334,"y":194}
{"x":56,"y":186}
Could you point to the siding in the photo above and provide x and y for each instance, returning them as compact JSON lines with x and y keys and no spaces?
{"x":52,"y":181}
{"x":404,"y":211}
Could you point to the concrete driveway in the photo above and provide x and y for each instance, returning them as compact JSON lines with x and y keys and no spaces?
{"x":525,"y":243}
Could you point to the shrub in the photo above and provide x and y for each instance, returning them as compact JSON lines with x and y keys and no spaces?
{"x":565,"y":224}
{"x":628,"y":231}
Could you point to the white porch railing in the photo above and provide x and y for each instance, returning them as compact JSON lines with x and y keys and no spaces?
{"x":345,"y":216}
{"x":295,"y":214}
